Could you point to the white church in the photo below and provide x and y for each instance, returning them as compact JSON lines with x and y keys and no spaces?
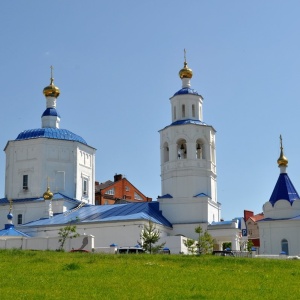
{"x":50,"y":183}
{"x":280,"y":229}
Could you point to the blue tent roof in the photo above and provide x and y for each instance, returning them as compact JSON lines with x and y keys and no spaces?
{"x":186,"y":91}
{"x":284,"y":190}
{"x":50,"y":133}
{"x":107,"y":213}
{"x":10,"y":230}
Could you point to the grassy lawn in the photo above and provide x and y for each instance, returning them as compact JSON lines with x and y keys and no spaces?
{"x":58,"y":275}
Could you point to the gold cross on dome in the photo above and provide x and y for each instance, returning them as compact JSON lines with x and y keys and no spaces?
{"x":51,"y":67}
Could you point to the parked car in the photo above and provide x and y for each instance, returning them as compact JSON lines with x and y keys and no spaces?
{"x":131,"y":250}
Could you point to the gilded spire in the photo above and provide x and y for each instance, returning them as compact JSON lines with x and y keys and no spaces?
{"x":51,"y":90}
{"x":186,"y":72}
{"x":282,"y":160}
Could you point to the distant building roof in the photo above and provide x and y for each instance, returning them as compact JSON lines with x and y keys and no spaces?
{"x":103,"y":185}
{"x":107,"y":213}
{"x":257,"y":217}
{"x":284,"y":190}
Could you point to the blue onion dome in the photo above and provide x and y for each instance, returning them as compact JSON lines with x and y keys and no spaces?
{"x":50,"y":111}
{"x":10,"y":216}
{"x":51,"y":90}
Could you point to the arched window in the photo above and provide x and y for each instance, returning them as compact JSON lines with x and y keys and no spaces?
{"x":193,"y":111}
{"x":166,"y":152}
{"x":181,"y":149}
{"x":183,"y":111}
{"x":174,"y":112}
{"x":285,"y":246}
{"x":200,"y":149}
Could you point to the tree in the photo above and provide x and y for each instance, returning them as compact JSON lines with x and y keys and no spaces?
{"x":190,"y":244}
{"x":150,"y":236}
{"x":205,"y":241}
{"x":250,"y":245}
{"x":68,"y":231}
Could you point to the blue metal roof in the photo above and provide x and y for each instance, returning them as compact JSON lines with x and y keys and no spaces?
{"x":280,"y":219}
{"x":221,"y":223}
{"x":202,"y":195}
{"x":106,"y":213}
{"x":50,"y":133}
{"x":51,"y":112}
{"x":10,"y":230}
{"x":165,"y":196}
{"x":186,"y":91}
{"x":56,"y":196}
{"x":284,"y":190}
{"x":188,"y":121}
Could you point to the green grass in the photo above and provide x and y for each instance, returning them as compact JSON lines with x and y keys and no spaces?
{"x":58,"y":275}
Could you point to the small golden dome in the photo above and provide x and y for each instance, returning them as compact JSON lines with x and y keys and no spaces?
{"x":186,"y":72}
{"x":48,"y":195}
{"x":282,"y":160}
{"x":51,"y":90}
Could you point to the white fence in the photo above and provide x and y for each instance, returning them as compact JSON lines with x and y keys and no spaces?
{"x":83,"y":242}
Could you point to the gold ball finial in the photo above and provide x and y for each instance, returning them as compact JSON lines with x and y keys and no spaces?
{"x":186,"y":72}
{"x":51,"y":90}
{"x":48,"y":195}
{"x":282,"y":160}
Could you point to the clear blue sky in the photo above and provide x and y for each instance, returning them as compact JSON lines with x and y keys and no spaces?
{"x":116,"y":64}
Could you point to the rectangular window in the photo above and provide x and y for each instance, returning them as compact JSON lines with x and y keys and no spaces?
{"x":110,"y":192}
{"x":183,"y":110}
{"x":25,"y":182}
{"x":85,"y":187}
{"x":20,"y":218}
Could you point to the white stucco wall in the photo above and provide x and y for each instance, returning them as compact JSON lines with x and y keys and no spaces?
{"x":58,"y":163}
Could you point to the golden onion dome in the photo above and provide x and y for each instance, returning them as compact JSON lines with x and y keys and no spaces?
{"x":48,"y":195}
{"x":282,"y":160}
{"x":185,"y":72}
{"x":51,"y":90}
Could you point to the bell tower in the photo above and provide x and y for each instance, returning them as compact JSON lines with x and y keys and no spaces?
{"x":188,"y":160}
